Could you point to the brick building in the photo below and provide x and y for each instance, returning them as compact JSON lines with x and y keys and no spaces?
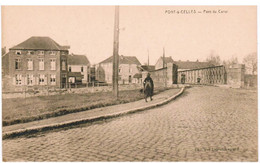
{"x":36,"y":63}
{"x":128,"y":67}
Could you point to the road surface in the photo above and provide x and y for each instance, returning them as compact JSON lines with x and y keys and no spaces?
{"x":204,"y":124}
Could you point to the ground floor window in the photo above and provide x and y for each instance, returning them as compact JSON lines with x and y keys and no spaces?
{"x":41,"y":79}
{"x":53,"y":79}
{"x":29,"y":79}
{"x":18,"y":79}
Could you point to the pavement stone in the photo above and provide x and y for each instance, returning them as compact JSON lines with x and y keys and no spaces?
{"x":186,"y":129}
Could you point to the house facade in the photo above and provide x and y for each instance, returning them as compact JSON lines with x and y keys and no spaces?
{"x":78,"y":65}
{"x":128,"y":67}
{"x":36,"y":63}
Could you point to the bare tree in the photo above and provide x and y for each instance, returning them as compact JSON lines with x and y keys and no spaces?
{"x":250,"y":62}
{"x":3,"y":51}
{"x":213,"y":59}
{"x":233,"y":60}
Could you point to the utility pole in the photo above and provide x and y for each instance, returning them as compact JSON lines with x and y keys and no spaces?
{"x":115,"y":53}
{"x":148,"y":56}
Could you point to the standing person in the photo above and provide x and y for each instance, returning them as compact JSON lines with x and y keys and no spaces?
{"x":149,"y":79}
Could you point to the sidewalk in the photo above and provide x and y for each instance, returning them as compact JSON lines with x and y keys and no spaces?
{"x":90,"y":115}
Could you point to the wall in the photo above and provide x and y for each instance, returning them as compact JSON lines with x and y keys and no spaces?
{"x":236,"y":75}
{"x":163,"y":77}
{"x":250,"y":80}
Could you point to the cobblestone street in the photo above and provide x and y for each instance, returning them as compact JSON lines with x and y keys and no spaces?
{"x":204,"y":124}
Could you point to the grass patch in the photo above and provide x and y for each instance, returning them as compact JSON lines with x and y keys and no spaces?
{"x":22,"y":110}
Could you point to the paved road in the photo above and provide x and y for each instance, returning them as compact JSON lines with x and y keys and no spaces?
{"x":204,"y":124}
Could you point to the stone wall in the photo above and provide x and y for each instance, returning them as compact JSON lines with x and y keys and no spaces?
{"x":164,"y":76}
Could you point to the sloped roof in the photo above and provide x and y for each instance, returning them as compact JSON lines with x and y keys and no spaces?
{"x":192,"y":65}
{"x":123,"y":60}
{"x":167,"y":59}
{"x":147,"y":68}
{"x":77,"y":60}
{"x":39,"y":43}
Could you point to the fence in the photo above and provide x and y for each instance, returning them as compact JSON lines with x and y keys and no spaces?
{"x":209,"y":75}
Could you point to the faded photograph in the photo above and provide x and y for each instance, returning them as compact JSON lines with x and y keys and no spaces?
{"x":129,"y":83}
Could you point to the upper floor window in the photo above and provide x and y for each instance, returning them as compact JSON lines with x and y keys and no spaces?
{"x":63,"y":65}
{"x":17,"y":64}
{"x":82,"y":69}
{"x":18,"y":52}
{"x":41,"y":52}
{"x":41,"y":64}
{"x":29,"y":64}
{"x":53,"y":64}
{"x":69,"y":69}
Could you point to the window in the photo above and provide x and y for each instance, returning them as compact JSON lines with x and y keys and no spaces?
{"x":63,"y":65}
{"x":53,"y":64}
{"x":29,"y":64}
{"x":41,"y":79}
{"x":29,"y":79}
{"x":41,"y":64}
{"x":30,"y":52}
{"x":41,"y":52}
{"x":18,"y":52}
{"x":53,"y":79}
{"x":17,"y":64}
{"x":69,"y":69}
{"x":52,"y":52}
{"x":82,"y":69}
{"x":18,"y":79}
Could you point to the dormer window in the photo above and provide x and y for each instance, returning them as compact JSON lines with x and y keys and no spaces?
{"x":41,"y":52}
{"x":52,"y":52}
{"x":30,"y":52}
{"x":18,"y":52}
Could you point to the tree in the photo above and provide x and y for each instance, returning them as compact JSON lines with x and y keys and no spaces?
{"x":3,"y":51}
{"x":250,"y":62}
{"x":213,"y":59}
{"x":233,"y":60}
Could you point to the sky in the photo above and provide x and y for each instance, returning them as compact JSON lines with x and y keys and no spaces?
{"x":89,"y":30}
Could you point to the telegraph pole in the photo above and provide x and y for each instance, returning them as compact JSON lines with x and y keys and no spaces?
{"x":148,"y":56}
{"x":115,"y":53}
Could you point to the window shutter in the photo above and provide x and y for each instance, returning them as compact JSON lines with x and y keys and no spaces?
{"x":14,"y":81}
{"x":25,"y":80}
{"x":22,"y":80}
{"x":37,"y":80}
{"x":33,"y":80}
{"x":45,"y":79}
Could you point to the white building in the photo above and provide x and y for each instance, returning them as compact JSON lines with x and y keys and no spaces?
{"x":78,"y":64}
{"x":128,"y":67}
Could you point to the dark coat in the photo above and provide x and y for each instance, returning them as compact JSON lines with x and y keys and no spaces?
{"x":148,"y":78}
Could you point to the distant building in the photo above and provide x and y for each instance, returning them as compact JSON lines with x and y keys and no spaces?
{"x":36,"y":63}
{"x":128,"y":67}
{"x":188,"y":65}
{"x":79,"y":68}
{"x":182,"y":65}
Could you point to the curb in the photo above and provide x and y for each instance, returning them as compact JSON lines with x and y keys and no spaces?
{"x":32,"y":130}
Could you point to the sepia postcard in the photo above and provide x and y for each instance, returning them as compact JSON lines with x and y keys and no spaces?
{"x":129,"y":83}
